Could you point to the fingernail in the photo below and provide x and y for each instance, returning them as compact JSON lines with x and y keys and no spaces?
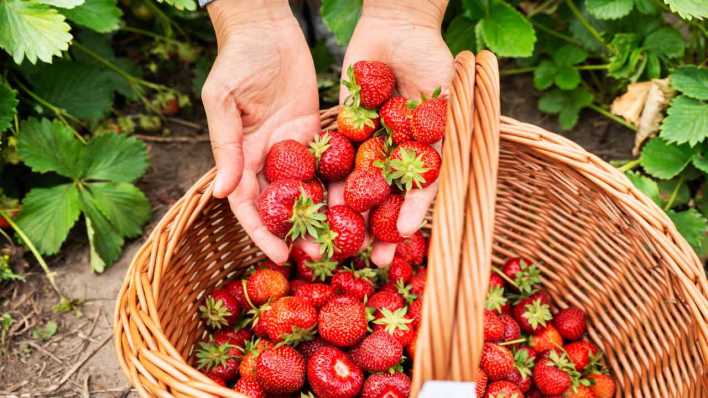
{"x":218,"y":186}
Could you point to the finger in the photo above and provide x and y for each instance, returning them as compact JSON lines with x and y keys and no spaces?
{"x":243,"y":204}
{"x":309,"y":246}
{"x":382,"y":253}
{"x":225,"y":133}
{"x":414,"y":208}
{"x":335,"y":194}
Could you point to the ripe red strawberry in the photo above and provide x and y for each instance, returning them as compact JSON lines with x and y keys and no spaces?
{"x":357,"y":123}
{"x":495,"y":280}
{"x":410,"y":348}
{"x":481,"y":381}
{"x":493,"y":327}
{"x":345,"y":235}
{"x":235,"y":288}
{"x":281,"y":370}
{"x":220,"y":309}
{"x":428,"y":120}
{"x":378,"y":352}
{"x":532,"y":313}
{"x":503,"y":389}
{"x":413,"y":249}
{"x":314,"y":189}
{"x":251,"y":351}
{"x":363,"y":258}
{"x":413,"y":165}
{"x":249,"y":387}
{"x":415,"y":311}
{"x":551,"y":375}
{"x":523,"y":369}
{"x":370,"y":83}
{"x":534,"y":393}
{"x":385,"y":299}
{"x":383,"y":219}
{"x":580,"y":391}
{"x":523,"y":382}
{"x":317,"y":294}
{"x":354,"y":283}
{"x":217,"y":379}
{"x":289,"y":159}
{"x":602,"y":385}
{"x":370,"y":152}
{"x":580,"y":353}
{"x":418,"y":282}
{"x":364,"y":189}
{"x":546,"y":339}
{"x":512,"y":331}
{"x":396,"y":116}
{"x":399,"y":270}
{"x":334,"y":154}
{"x":290,"y":319}
{"x":286,"y":211}
{"x":396,"y":323}
{"x":332,"y":374}
{"x":265,"y":284}
{"x":283,"y":269}
{"x":308,"y":348}
{"x":497,"y":361}
{"x":570,"y":323}
{"x":218,"y":360}
{"x":342,"y":321}
{"x":524,"y":273}
{"x":387,"y":385}
{"x":309,"y":269}
{"x":235,"y":337}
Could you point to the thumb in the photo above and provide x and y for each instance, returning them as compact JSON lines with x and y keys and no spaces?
{"x":414,"y":208}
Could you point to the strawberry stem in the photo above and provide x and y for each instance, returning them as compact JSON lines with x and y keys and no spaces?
{"x":512,"y":342}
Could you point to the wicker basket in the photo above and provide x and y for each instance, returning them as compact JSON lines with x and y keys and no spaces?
{"x":604,"y":247}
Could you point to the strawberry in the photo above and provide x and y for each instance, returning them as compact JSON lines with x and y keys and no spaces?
{"x":387,"y":385}
{"x":291,"y":320}
{"x":363,"y":258}
{"x":236,"y":337}
{"x":413,"y":249}
{"x":415,"y":311}
{"x":400,"y":270}
{"x":308,"y":348}
{"x":524,"y":382}
{"x":289,"y":159}
{"x":412,"y":165}
{"x":357,"y":123}
{"x":512,"y":331}
{"x":266,"y":284}
{"x":370,"y":83}
{"x":410,"y":348}
{"x":532,"y":313}
{"x":497,"y":361}
{"x":481,"y":381}
{"x":217,"y":379}
{"x":579,"y":391}
{"x":283,"y":269}
{"x":309,"y":269}
{"x":218,"y":359}
{"x":524,"y":273}
{"x":602,"y":385}
{"x":428,"y":120}
{"x":503,"y":389}
{"x":523,"y":366}
{"x":385,"y":300}
{"x":288,"y":211}
{"x":235,"y":288}
{"x":570,"y":323}
{"x":345,"y":235}
{"x":249,"y":387}
{"x":315,"y":190}
{"x":280,"y":370}
{"x":334,"y":154}
{"x":342,"y":321}
{"x":378,"y":352}
{"x":495,"y":281}
{"x":551,"y":375}
{"x":396,"y":116}
{"x":251,"y":351}
{"x":354,"y":283}
{"x":493,"y":327}
{"x":418,"y":282}
{"x":370,"y":153}
{"x":546,"y":339}
{"x":397,"y":324}
{"x":534,"y":393}
{"x":383,"y":219}
{"x":332,"y":374}
{"x":220,"y":309}
{"x":317,"y":294}
{"x":364,"y":189}
{"x":580,"y":353}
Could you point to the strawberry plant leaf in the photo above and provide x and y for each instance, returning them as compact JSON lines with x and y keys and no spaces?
{"x":665,"y":42}
{"x":189,"y":5}
{"x":341,"y":18}
{"x":686,"y":121}
{"x":460,"y":34}
{"x":666,"y":191}
{"x":475,"y":9}
{"x":567,"y":78}
{"x":626,"y":56}
{"x":8,"y":106}
{"x":48,"y":214}
{"x":691,"y":81}
{"x":50,"y":146}
{"x":117,"y":199}
{"x":115,"y":157}
{"x":688,"y":9}
{"x":691,"y":225}
{"x":646,"y":6}
{"x":507,"y":32}
{"x":664,"y":160}
{"x":583,"y":36}
{"x":567,"y":104}
{"x":646,"y":185}
{"x":62,"y":3}
{"x":609,"y":9}
{"x":97,"y":263}
{"x":107,"y":241}
{"x":653,"y":68}
{"x":32,"y":30}
{"x":99,"y":15}
{"x":700,"y":159}
{"x":544,"y":75}
{"x":569,"y":55}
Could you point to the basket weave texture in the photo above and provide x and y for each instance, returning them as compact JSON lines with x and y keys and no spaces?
{"x":506,"y":189}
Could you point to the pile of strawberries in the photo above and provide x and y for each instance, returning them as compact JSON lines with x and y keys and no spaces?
{"x":333,"y":326}
{"x":528,"y":351}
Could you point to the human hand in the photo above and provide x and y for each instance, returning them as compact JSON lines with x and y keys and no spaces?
{"x":262,"y":89}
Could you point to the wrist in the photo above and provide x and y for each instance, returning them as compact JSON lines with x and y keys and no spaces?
{"x":229,"y":16}
{"x":422,"y":13}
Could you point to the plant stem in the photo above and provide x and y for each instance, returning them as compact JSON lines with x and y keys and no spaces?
{"x":629,"y":165}
{"x":675,"y":192}
{"x":147,"y":33}
{"x":165,"y":20}
{"x":552,"y":32}
{"x":510,"y":342}
{"x":592,"y":67}
{"x":586,"y":24}
{"x":610,"y":116}
{"x":518,"y":71}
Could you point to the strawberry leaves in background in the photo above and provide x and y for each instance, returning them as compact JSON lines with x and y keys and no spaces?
{"x":567,"y":104}
{"x":8,"y":106}
{"x":560,"y":69}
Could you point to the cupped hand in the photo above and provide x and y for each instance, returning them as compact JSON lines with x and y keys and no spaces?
{"x":262,"y":89}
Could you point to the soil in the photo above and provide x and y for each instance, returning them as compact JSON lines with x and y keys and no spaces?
{"x":63,"y":365}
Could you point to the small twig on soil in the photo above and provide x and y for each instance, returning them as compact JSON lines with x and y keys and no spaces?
{"x":160,"y":139}
{"x":14,"y":388}
{"x":186,"y":123}
{"x":43,"y":351}
{"x":78,"y":365}
{"x":85,"y":392}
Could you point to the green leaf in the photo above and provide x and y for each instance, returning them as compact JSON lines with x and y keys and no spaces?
{"x":544,"y":75}
{"x":107,"y":242}
{"x":321,"y":56}
{"x":100,"y":15}
{"x":645,"y":184}
{"x":507,"y":32}
{"x":124,"y":205}
{"x":667,"y":188}
{"x":691,"y":81}
{"x":692,"y":225}
{"x":97,"y":263}
{"x":582,"y":35}
{"x":702,"y":199}
{"x":62,"y":3}
{"x":115,"y":157}
{"x":567,"y":104}
{"x":688,"y":9}
{"x":567,"y":78}
{"x":609,"y":9}
{"x":686,"y":121}
{"x":8,"y":106}
{"x":646,"y":6}
{"x":665,"y":42}
{"x":50,"y":146}
{"x":700,"y":159}
{"x":653,"y":66}
{"x":475,"y":9}
{"x":45,"y":332}
{"x":341,"y":17}
{"x":32,"y":30}
{"x":460,"y":34}
{"x":48,"y":214}
{"x":189,"y":5}
{"x":626,"y":55}
{"x":569,"y":55}
{"x":664,"y":160}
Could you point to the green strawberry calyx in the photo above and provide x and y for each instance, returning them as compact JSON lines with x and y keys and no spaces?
{"x":524,"y":363}
{"x":407,"y":171}
{"x":214,"y":312}
{"x":394,"y":320}
{"x":358,"y":118}
{"x":537,"y":313}
{"x":320,"y":145}
{"x":353,"y":87}
{"x":306,"y":217}
{"x":561,"y":361}
{"x":527,"y":279}
{"x":211,"y":355}
{"x":495,"y":299}
{"x":321,"y":269}
{"x":325,"y":237}
{"x":405,"y":291}
{"x":297,"y":336}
